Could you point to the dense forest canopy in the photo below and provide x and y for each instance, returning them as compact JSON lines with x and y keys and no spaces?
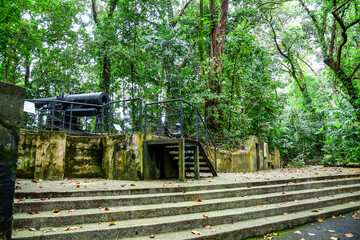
{"x":287,"y":71}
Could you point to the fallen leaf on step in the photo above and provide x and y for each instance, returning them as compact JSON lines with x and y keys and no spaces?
{"x":285,"y":213}
{"x":34,"y":212}
{"x":198,"y":200}
{"x":334,"y":238}
{"x":355,"y":216}
{"x":196,"y":232}
{"x":183,"y":192}
{"x":132,"y":185}
{"x":264,"y":205}
{"x":19,"y":200}
{"x":231,"y":222}
{"x":53,"y":229}
{"x":330,"y":203}
{"x":205,"y":215}
{"x":302,"y":239}
{"x":318,"y":227}
{"x":207,"y":227}
{"x":349,"y":235}
{"x":282,"y":192}
{"x":56,"y":211}
{"x":331,"y":230}
{"x":104,"y":209}
{"x":213,"y":230}
{"x":315,"y":210}
{"x":77,"y":186}
{"x":32,"y":229}
{"x":123,"y":185}
{"x":71,"y":210}
{"x":312,"y":234}
{"x":341,"y":216}
{"x":333,"y":216}
{"x":351,"y":202}
{"x":298,"y":232}
{"x":152,"y":236}
{"x":320,"y":220}
{"x":73,"y":228}
{"x":34,"y":181}
{"x":296,"y":200}
{"x":113,"y":223}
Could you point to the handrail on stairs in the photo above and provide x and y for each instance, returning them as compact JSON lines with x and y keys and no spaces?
{"x":178,"y":118}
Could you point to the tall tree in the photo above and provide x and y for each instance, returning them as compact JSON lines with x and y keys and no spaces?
{"x":334,"y":22}
{"x":217,"y":34}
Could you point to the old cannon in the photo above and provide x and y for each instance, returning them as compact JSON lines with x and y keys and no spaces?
{"x":66,"y":110}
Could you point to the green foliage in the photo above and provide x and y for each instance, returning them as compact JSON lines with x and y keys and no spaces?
{"x":146,"y":49}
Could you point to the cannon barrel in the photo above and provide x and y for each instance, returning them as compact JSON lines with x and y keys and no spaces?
{"x":98,"y":98}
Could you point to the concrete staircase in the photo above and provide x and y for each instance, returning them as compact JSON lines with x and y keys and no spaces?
{"x":227,"y":211}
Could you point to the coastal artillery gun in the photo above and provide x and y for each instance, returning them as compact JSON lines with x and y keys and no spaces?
{"x":64,"y":112}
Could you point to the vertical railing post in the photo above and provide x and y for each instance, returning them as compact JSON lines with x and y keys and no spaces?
{"x":197,"y":124}
{"x":145,"y":121}
{"x":140,"y":116}
{"x":215,"y":159}
{"x":52,"y":116}
{"x":40,"y":120}
{"x":71,"y":113}
{"x":110,"y":119}
{"x":102,"y":121}
{"x":160,"y":124}
{"x":181,"y":119}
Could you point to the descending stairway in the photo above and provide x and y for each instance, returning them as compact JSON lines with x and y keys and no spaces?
{"x":234,"y":210}
{"x":190,"y":157}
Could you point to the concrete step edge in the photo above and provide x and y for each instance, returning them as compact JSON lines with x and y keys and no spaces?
{"x":257,"y":227}
{"x":82,"y":216}
{"x":132,"y":228}
{"x":135,"y":190}
{"x":95,"y":202}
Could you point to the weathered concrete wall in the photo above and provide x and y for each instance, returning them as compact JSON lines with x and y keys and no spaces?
{"x":252,"y":159}
{"x":54,"y":155}
{"x":83,"y":156}
{"x":122,"y":157}
{"x":26,"y":154}
{"x":50,"y":155}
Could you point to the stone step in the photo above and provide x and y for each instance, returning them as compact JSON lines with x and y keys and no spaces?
{"x":81,"y":216}
{"x":143,"y":199}
{"x":255,"y":227}
{"x":127,"y":190}
{"x":269,"y":217}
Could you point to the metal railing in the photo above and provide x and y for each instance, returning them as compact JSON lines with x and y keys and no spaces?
{"x":175,"y":118}
{"x":117,"y":117}
{"x":178,"y":118}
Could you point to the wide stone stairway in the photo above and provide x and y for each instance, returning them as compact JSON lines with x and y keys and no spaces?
{"x":235,"y":210}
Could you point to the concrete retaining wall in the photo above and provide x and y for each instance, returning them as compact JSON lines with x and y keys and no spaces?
{"x":55,"y":155}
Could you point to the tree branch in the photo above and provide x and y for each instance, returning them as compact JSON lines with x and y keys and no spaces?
{"x":355,"y":70}
{"x":94,"y":12}
{"x":340,"y":6}
{"x":181,"y":13}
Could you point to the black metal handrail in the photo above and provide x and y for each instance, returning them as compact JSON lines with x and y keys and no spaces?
{"x":199,"y":121}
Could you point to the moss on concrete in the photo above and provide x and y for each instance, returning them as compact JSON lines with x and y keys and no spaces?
{"x":83,"y":156}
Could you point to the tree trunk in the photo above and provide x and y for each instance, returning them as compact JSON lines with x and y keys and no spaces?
{"x":217,"y":49}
